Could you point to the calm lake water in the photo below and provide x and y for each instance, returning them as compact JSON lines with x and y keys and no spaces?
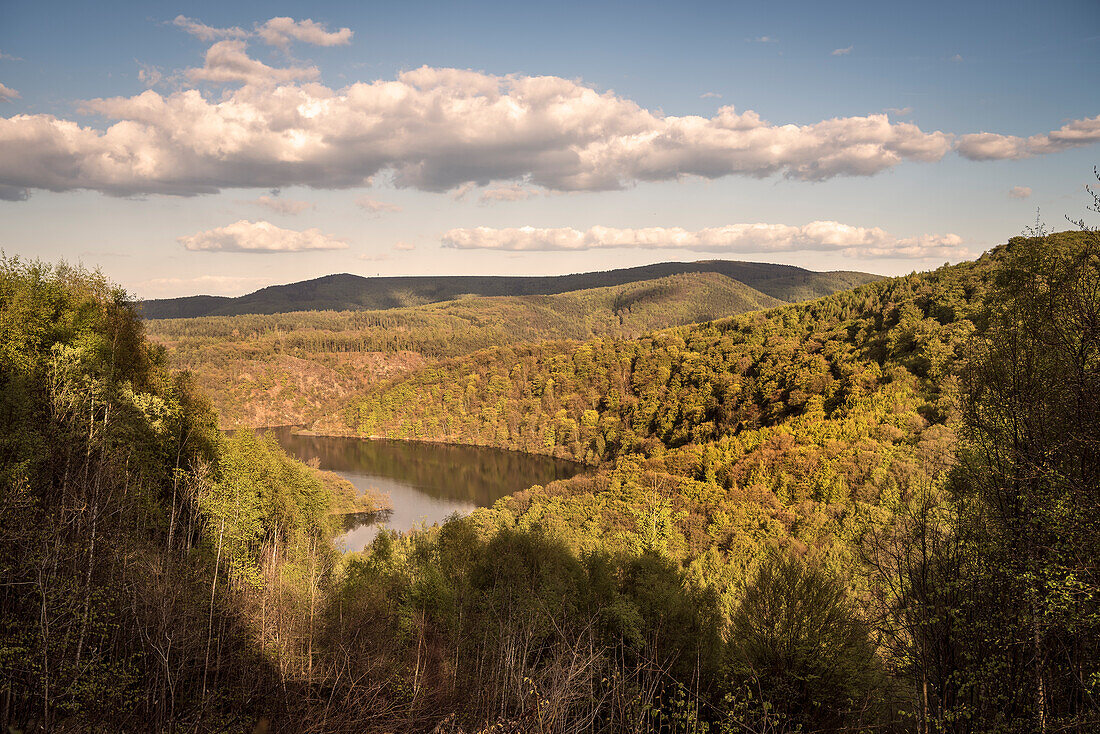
{"x":426,"y":482}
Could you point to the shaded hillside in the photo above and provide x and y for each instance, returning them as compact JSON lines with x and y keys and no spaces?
{"x":280,"y":369}
{"x":345,"y":291}
{"x":134,"y":537}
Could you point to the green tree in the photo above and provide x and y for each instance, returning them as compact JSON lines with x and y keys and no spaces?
{"x":800,"y":655}
{"x":1030,"y":477}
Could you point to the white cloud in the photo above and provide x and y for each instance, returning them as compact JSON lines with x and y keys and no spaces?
{"x":404,"y":246}
{"x":431,"y":129}
{"x":278,"y":31}
{"x":957,"y":58}
{"x":1019,"y":192}
{"x":246,"y":236}
{"x":899,"y":111}
{"x":7,"y":94}
{"x":282,"y":206}
{"x":281,"y":31}
{"x":515,"y":192}
{"x":227,"y":62}
{"x":8,"y":57}
{"x":710,"y":95}
{"x":991,"y":146}
{"x":207,"y":33}
{"x":377,"y":207}
{"x":150,"y":75}
{"x":733,"y":238}
{"x":764,"y":39}
{"x":841,"y":51}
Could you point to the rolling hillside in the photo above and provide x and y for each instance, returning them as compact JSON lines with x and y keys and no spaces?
{"x":291,"y":368}
{"x":353,"y":292}
{"x":866,"y":512}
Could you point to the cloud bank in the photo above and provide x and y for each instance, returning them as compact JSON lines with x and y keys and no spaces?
{"x":261,"y":237}
{"x":733,"y":238}
{"x":436,"y":129}
{"x":992,"y":147}
{"x":430,"y":129}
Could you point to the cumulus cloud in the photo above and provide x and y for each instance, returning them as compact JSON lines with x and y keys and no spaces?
{"x":278,"y":31}
{"x":841,"y":51}
{"x":733,"y":238}
{"x":374,"y":206}
{"x":281,"y":31}
{"x":261,"y":236}
{"x":899,"y":111}
{"x":207,"y":33}
{"x":7,"y":94}
{"x":992,"y":146}
{"x":282,"y":206}
{"x":710,"y":95}
{"x":404,"y":246}
{"x":228,"y":62}
{"x":1019,"y":192}
{"x":431,"y":129}
{"x":515,"y":192}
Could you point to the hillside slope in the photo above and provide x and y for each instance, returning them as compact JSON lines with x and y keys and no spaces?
{"x":873,"y":511}
{"x":293,"y":368}
{"x":693,"y":384}
{"x":933,"y":438}
{"x":134,"y":537}
{"x":346,"y":292}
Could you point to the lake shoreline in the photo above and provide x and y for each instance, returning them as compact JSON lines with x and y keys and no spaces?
{"x":431,"y":441}
{"x":425,"y":482}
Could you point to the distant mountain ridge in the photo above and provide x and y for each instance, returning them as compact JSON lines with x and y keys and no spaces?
{"x":344,"y":291}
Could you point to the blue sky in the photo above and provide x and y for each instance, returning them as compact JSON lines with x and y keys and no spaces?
{"x":646,"y":168}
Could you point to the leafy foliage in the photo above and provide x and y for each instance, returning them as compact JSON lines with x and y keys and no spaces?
{"x":121,"y":509}
{"x":873,"y":511}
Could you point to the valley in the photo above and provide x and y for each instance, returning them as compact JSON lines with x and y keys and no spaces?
{"x":641,"y":486}
{"x":572,"y":368}
{"x":302,"y":367}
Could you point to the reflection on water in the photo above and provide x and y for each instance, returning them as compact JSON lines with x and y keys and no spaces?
{"x":425,"y":482}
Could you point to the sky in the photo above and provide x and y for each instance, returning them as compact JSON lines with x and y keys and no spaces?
{"x":216,"y":148}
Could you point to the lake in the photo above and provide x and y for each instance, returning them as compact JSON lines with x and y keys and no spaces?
{"x":426,"y":482}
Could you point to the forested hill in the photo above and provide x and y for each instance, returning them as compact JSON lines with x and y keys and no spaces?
{"x":354,"y":292}
{"x":875,"y":511}
{"x":933,"y":438}
{"x":293,"y":368}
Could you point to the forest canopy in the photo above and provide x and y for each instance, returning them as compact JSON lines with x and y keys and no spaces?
{"x":875,"y":510}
